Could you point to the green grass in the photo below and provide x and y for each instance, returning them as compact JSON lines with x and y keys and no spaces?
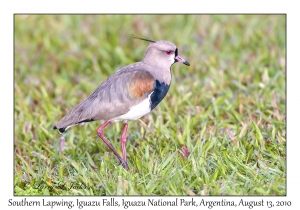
{"x":227,"y":108}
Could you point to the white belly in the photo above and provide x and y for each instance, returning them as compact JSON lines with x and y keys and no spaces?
{"x":135,"y":112}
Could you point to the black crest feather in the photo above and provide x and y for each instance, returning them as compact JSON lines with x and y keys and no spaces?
{"x":137,"y":37}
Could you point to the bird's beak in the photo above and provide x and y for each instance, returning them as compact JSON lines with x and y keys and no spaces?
{"x":181,"y":60}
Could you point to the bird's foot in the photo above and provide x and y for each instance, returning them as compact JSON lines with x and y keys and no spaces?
{"x":124,"y":164}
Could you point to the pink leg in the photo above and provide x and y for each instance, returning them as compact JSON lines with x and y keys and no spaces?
{"x":101,"y":135}
{"x":123,"y":140}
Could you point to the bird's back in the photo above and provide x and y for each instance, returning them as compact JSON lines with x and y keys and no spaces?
{"x":113,"y":97}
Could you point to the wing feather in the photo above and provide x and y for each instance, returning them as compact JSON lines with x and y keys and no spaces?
{"x":112,"y":98}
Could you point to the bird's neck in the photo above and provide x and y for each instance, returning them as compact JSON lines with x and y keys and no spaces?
{"x":160,"y":72}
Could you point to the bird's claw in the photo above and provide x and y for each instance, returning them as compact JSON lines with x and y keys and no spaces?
{"x":125,"y":165}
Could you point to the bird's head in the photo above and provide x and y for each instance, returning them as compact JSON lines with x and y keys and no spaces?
{"x":161,"y":52}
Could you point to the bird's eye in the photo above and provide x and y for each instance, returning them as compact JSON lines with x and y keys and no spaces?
{"x":169,"y":52}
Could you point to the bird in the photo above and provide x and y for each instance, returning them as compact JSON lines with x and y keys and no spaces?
{"x":127,"y":95}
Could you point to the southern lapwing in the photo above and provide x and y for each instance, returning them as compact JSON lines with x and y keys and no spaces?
{"x":128,"y":94}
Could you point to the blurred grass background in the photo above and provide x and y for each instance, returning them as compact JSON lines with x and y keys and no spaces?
{"x":228,"y":108}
